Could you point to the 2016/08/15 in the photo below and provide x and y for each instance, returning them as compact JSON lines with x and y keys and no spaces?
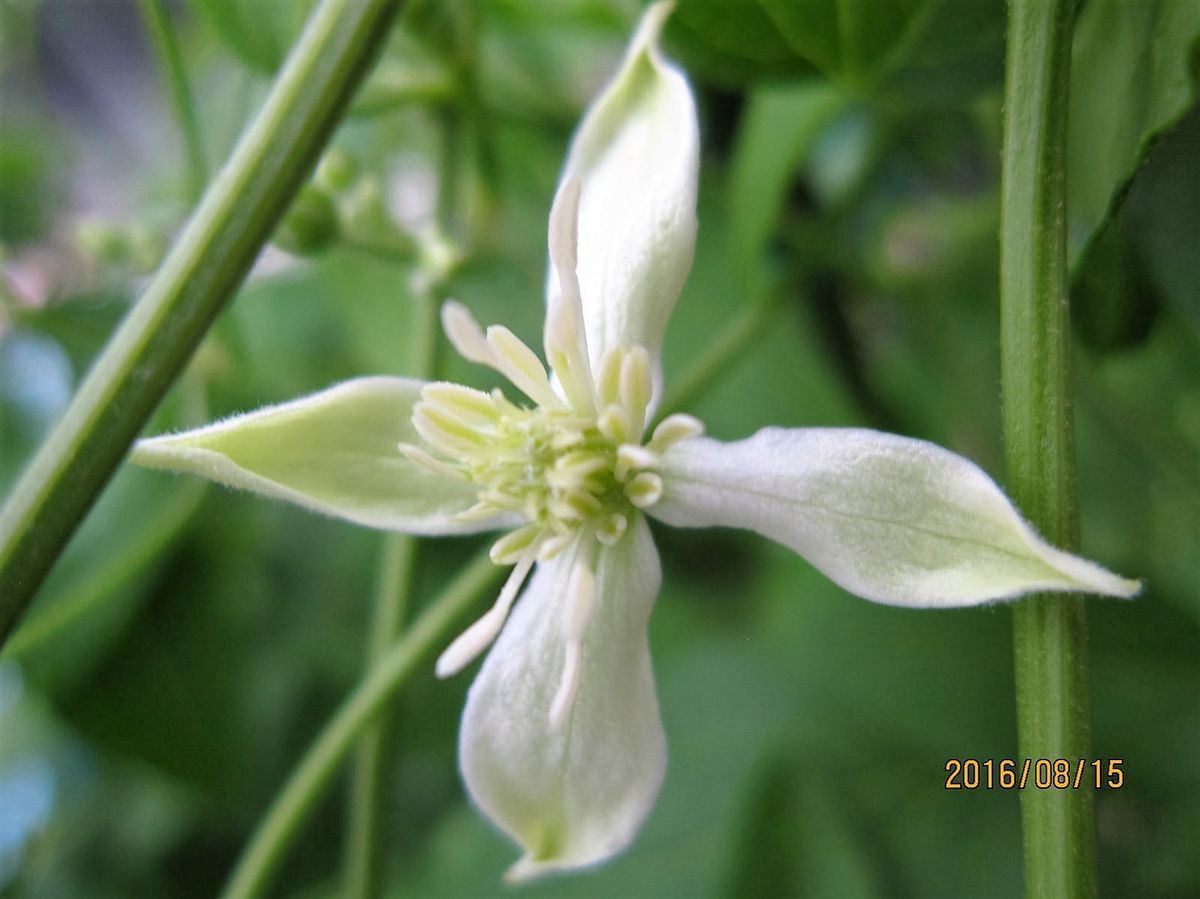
{"x":1043,"y":774}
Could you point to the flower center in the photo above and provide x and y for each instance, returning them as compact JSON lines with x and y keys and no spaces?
{"x":563,"y":472}
{"x":572,"y":465}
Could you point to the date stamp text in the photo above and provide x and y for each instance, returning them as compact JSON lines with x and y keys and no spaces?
{"x":1039,"y":774}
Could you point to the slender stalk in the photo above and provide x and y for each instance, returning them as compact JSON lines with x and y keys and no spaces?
{"x":158,"y":24}
{"x":1049,"y":632}
{"x":367,"y":830}
{"x":718,"y":356}
{"x":202,"y":271}
{"x":368,"y":781}
{"x":312,"y":776}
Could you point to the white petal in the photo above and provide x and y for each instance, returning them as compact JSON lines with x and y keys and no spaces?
{"x":895,"y":520}
{"x":636,"y":156}
{"x":577,"y":793}
{"x":335,"y":452}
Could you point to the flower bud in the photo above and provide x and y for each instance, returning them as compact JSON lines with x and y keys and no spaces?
{"x":311,"y":225}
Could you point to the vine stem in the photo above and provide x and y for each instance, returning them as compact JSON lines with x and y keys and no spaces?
{"x":158,"y":24}
{"x":314,"y":772}
{"x":204,"y":268}
{"x":1049,"y":632}
{"x":366,"y":824}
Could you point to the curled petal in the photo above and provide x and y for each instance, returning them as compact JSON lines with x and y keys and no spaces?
{"x":336,"y":452}
{"x":572,"y":793}
{"x":636,"y":159}
{"x":895,"y":520}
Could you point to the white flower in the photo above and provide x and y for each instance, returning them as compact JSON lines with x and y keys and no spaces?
{"x":561,"y":740}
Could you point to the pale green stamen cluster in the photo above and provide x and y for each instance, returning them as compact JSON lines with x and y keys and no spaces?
{"x":566,"y":471}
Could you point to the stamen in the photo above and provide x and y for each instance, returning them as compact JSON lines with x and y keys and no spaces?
{"x":614,"y":424}
{"x":581,"y":591}
{"x":520,"y":364}
{"x":630,"y":456}
{"x":464,"y":333}
{"x":501,"y":500}
{"x":552,"y":546}
{"x":516,"y":545}
{"x":612,"y":529}
{"x":579,"y":463}
{"x":585,"y":504}
{"x":608,"y":381}
{"x":645,"y":489}
{"x":565,"y":337}
{"x":674,"y":428}
{"x":476,"y":638}
{"x":444,"y":432}
{"x":473,"y":406}
{"x":426,"y":460}
{"x":636,"y":387}
{"x":481,"y":511}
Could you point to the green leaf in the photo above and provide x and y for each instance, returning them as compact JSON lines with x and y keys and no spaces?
{"x":101,"y":581}
{"x":258,"y":31}
{"x":929,"y":50}
{"x":335,"y":452}
{"x":1132,"y":77}
{"x":778,"y":127}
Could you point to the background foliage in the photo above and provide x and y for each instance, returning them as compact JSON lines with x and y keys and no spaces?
{"x":191,"y":641}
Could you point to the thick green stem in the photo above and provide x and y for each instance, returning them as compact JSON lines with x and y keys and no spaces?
{"x":202,"y":271}
{"x":158,"y":24}
{"x":312,"y":776}
{"x":1050,"y":652}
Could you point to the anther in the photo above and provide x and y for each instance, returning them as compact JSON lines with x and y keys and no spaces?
{"x":636,"y":387}
{"x":614,"y":424}
{"x":674,"y":428}
{"x":644,"y":489}
{"x":631,"y":457}
{"x":516,"y":545}
{"x":443,"y":431}
{"x":608,"y":381}
{"x":612,"y":529}
{"x":464,"y":333}
{"x":430,"y":462}
{"x":470,"y":405}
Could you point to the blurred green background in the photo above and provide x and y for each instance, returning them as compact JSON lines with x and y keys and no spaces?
{"x":191,"y":641}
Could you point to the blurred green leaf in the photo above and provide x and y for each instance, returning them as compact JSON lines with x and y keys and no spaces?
{"x":1163,"y":212}
{"x":259,"y":32}
{"x":1114,"y":302}
{"x":24,"y":183}
{"x":101,"y":581}
{"x":778,"y":127}
{"x":929,"y":51}
{"x":1134,"y":71}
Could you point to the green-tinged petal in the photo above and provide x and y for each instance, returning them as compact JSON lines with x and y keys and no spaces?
{"x":334,"y":452}
{"x":574,"y":793}
{"x":895,"y":520}
{"x":636,"y":158}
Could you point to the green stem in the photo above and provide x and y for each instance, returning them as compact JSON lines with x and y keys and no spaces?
{"x":368,"y":782}
{"x":202,"y":271}
{"x":367,"y":829}
{"x":695,"y":380}
{"x":158,"y":23}
{"x":312,"y":776}
{"x":1049,"y":632}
